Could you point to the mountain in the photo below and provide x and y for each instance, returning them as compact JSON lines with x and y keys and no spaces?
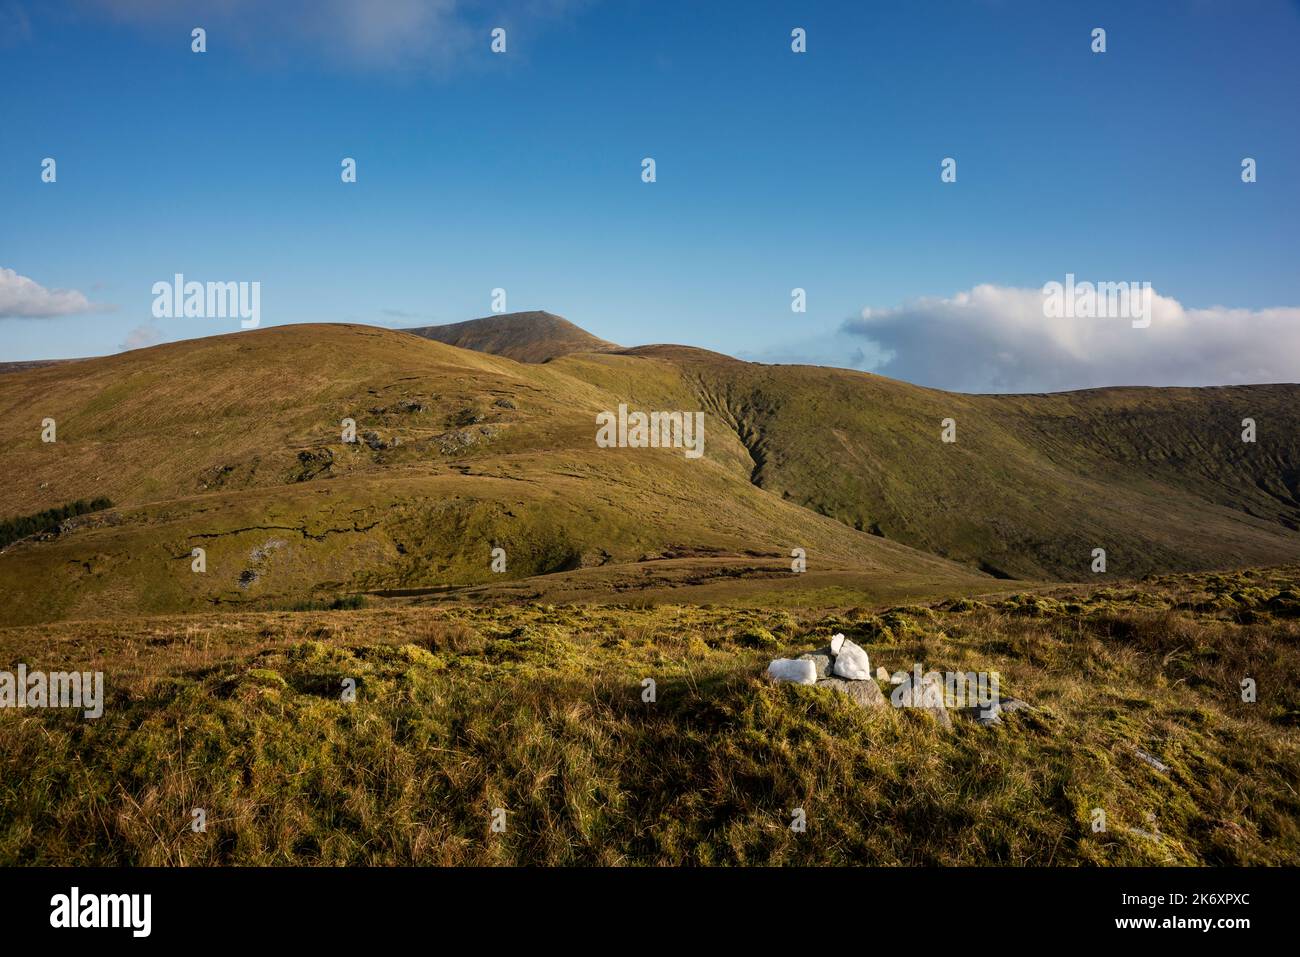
{"x":29,"y":364}
{"x":1158,"y":477}
{"x":234,"y":444}
{"x":522,"y":336}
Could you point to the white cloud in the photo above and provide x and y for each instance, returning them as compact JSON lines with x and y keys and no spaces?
{"x":997,"y":339}
{"x":835,"y":348}
{"x":21,"y":297}
{"x":141,"y":337}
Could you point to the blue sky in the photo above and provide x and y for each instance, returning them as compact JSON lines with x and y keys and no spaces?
{"x":522,"y":170}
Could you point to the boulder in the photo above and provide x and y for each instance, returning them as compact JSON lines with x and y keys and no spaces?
{"x":836,"y":642}
{"x":985,"y":716}
{"x":865,"y":694}
{"x":925,"y":695}
{"x":850,"y":661}
{"x":799,"y":672}
{"x":822,"y":658}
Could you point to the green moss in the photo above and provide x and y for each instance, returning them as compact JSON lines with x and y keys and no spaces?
{"x":754,"y":637}
{"x":265,"y":677}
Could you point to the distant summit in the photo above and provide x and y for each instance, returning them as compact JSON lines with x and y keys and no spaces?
{"x":522,"y":336}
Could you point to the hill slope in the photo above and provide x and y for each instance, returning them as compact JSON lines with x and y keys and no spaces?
{"x":234,"y":444}
{"x":1159,"y":478}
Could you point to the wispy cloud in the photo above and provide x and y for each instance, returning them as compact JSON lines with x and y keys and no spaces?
{"x":24,"y":298}
{"x":141,"y":337}
{"x":997,"y":339}
{"x":390,"y":35}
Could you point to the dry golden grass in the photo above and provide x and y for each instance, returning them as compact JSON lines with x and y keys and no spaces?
{"x":537,"y":709}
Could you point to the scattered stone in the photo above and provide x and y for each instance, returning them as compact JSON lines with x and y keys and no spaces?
{"x":927,"y":696}
{"x":987,"y":717}
{"x":452,"y":442}
{"x":262,"y":552}
{"x":850,"y":660}
{"x":882,"y":675}
{"x":865,"y":694}
{"x":1152,"y":760}
{"x":313,"y":462}
{"x":992,"y":715}
{"x":799,"y":672}
{"x":1139,"y":832}
{"x":465,"y":417}
{"x":504,"y":403}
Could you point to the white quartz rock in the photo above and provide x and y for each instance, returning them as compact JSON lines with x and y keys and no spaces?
{"x":836,"y":642}
{"x":787,"y":669}
{"x":851,"y":661}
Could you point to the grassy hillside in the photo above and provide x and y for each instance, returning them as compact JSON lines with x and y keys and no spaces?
{"x":234,"y":445}
{"x":523,"y":690}
{"x":1159,"y":478}
{"x":538,"y":710}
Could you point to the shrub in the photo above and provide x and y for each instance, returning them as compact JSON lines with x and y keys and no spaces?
{"x":18,"y":528}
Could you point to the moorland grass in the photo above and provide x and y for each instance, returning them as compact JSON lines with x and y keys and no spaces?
{"x":538,"y":709}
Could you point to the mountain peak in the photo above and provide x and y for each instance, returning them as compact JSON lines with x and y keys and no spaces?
{"x":523,"y":336}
